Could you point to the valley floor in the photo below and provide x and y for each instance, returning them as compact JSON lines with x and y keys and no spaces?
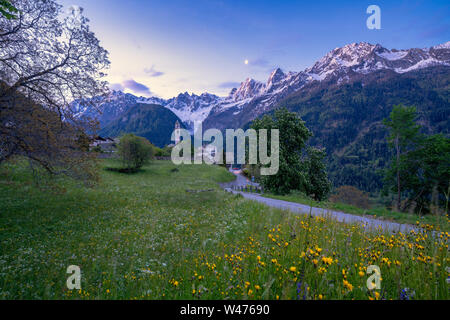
{"x":142,"y":236}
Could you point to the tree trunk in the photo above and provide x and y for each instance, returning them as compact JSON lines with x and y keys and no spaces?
{"x":398,"y":174}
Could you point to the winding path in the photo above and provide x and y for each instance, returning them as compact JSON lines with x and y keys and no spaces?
{"x":369,"y":223}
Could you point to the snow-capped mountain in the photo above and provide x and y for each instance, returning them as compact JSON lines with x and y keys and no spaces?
{"x":365,"y":58}
{"x":192,"y":108}
{"x":151,"y":100}
{"x":248,"y":89}
{"x":340,"y":65}
{"x":254,"y":98}
{"x":104,"y":108}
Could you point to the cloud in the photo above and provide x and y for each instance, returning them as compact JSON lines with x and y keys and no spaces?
{"x":228,"y":85}
{"x":152,"y":72}
{"x":136,"y":87}
{"x":116,"y":87}
{"x":260,"y":62}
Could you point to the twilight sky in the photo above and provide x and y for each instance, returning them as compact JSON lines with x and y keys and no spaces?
{"x":164,"y":47}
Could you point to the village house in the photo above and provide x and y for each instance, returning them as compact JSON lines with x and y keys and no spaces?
{"x":108,"y":145}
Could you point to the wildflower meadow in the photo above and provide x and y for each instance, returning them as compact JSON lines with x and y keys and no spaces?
{"x":142,"y":236}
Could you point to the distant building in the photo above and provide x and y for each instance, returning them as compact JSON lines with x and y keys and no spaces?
{"x":105,"y":144}
{"x":177,"y":134}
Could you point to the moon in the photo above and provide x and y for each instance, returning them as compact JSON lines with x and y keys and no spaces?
{"x":246,"y":61}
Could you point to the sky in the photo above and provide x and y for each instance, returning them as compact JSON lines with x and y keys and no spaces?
{"x":166,"y":47}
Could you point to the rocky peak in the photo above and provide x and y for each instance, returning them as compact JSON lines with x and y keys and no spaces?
{"x":248,"y":89}
{"x":276,"y":76}
{"x":445,"y":45}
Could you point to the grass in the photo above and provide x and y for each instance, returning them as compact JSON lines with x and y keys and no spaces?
{"x":438,"y":222}
{"x":142,"y":236}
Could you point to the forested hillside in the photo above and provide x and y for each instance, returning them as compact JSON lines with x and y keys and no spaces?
{"x":150,"y":121}
{"x":347,"y":119}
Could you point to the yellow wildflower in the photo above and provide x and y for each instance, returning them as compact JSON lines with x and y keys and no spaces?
{"x":348,"y":285}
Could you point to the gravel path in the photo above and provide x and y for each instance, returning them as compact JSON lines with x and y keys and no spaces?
{"x":370,"y":223}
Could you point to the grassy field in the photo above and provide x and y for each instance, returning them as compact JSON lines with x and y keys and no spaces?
{"x":430,"y":220}
{"x":142,"y":236}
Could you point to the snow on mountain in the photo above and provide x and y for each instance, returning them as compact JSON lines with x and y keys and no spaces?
{"x":104,"y":108}
{"x":192,"y":109}
{"x":254,"y":97}
{"x":151,"y":100}
{"x":189,"y":108}
{"x":340,"y":64}
{"x":248,"y":89}
{"x":366,"y":58}
{"x":443,"y":46}
{"x":393,"y":55}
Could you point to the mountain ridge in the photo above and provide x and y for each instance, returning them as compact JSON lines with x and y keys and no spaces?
{"x":340,"y":64}
{"x":255,"y":97}
{"x":151,"y":121}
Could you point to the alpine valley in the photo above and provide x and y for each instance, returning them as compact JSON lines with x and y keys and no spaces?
{"x":343,"y":99}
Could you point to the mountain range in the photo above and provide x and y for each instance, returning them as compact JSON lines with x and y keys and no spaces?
{"x":339,"y":66}
{"x":342,"y":97}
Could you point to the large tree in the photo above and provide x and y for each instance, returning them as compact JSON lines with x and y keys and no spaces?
{"x":47,"y":60}
{"x":428,"y":178}
{"x":317,"y":185}
{"x":421,"y":164}
{"x":293,"y":135}
{"x":298,"y":170}
{"x":404,"y":137}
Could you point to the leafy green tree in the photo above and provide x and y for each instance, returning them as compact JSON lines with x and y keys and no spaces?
{"x":48,"y":59}
{"x":162,"y":152}
{"x":296,"y":171}
{"x":83,"y":141}
{"x":421,"y":165}
{"x":318,"y":186}
{"x":134,"y":151}
{"x":427,"y":170}
{"x":8,"y":10}
{"x":293,"y":135}
{"x":404,"y":137}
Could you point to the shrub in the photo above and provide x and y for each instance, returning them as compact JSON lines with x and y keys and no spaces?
{"x":351,"y":195}
{"x":163,"y":152}
{"x":134,"y":151}
{"x":97,"y":149}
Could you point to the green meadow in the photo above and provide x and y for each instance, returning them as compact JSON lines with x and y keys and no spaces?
{"x":143,"y":236}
